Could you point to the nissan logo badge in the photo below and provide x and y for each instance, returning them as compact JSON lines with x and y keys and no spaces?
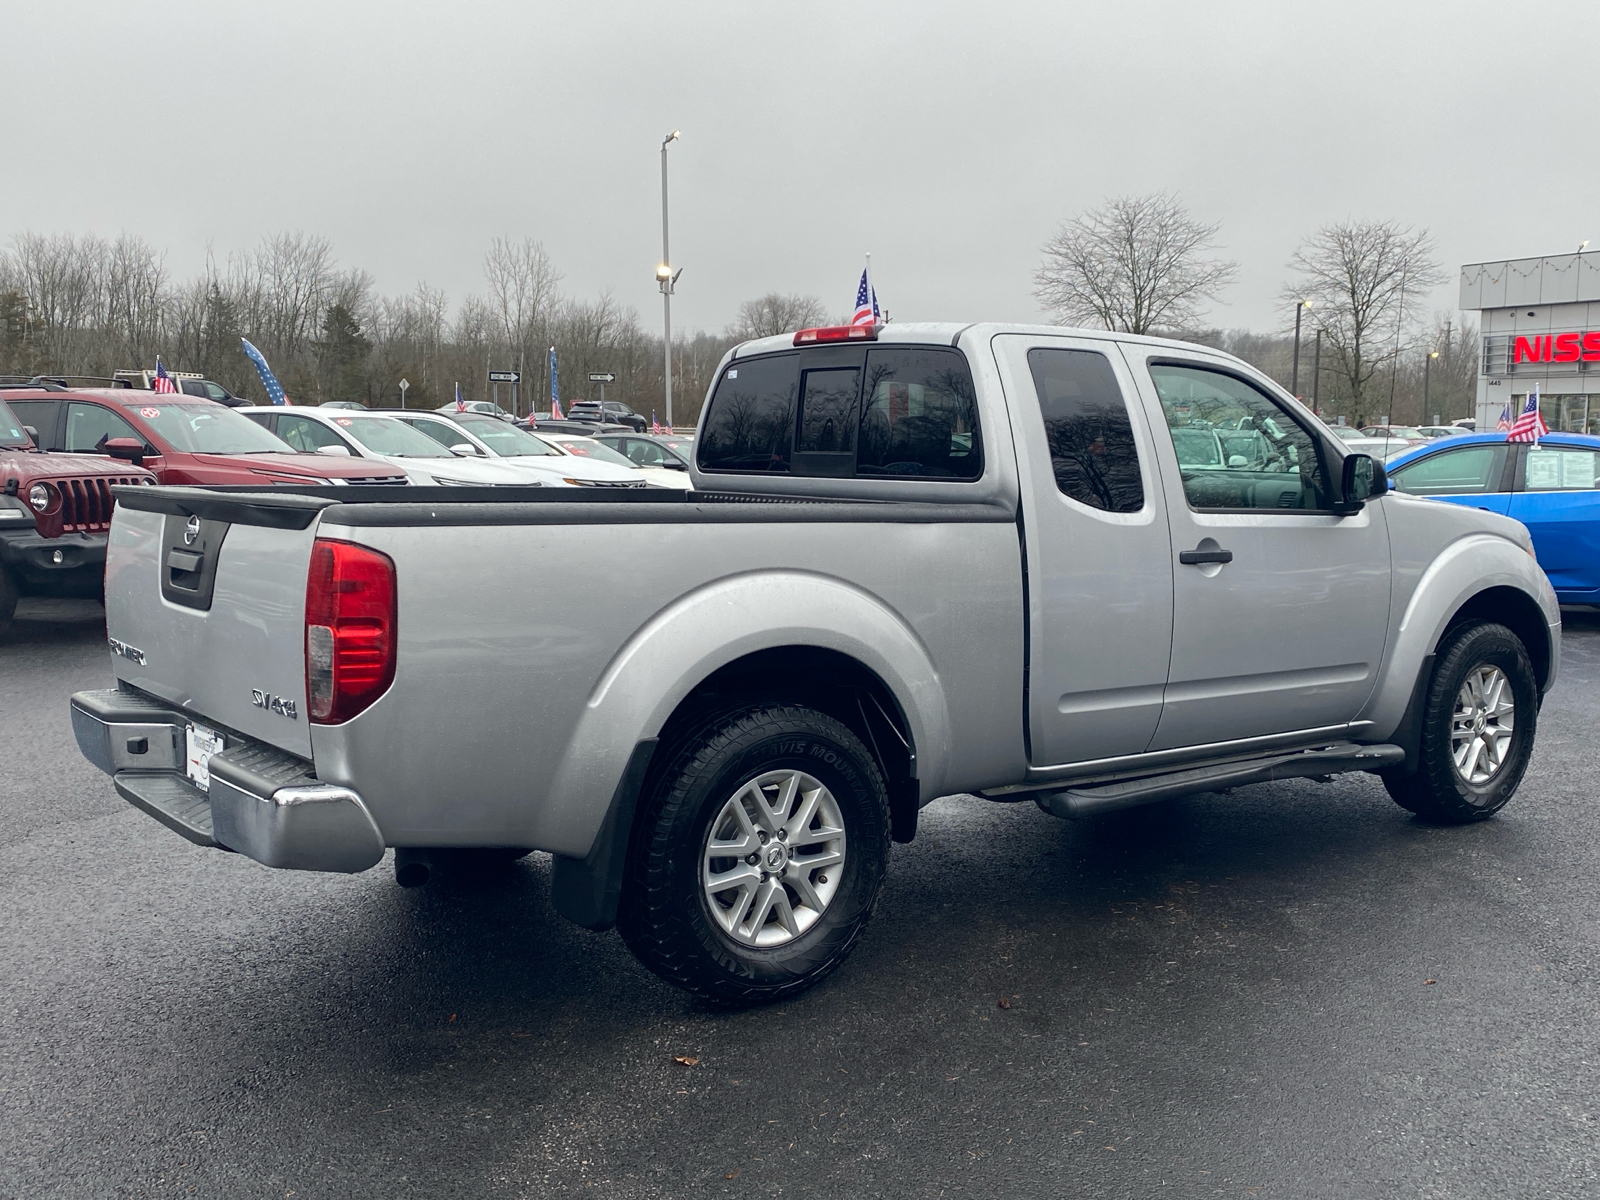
{"x":191,"y":531}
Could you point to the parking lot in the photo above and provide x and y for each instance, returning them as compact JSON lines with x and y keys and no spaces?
{"x":1293,"y":990}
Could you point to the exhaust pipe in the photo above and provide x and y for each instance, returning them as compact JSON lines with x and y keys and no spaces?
{"x":411,"y":867}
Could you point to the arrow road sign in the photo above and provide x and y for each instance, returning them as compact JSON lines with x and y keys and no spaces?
{"x":505,"y":376}
{"x":602,"y":377}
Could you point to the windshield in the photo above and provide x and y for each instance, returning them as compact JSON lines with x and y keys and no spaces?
{"x":589,"y":448}
{"x":505,"y":439}
{"x":208,"y":428}
{"x":11,"y":431}
{"x":385,"y":435}
{"x":1196,"y":448}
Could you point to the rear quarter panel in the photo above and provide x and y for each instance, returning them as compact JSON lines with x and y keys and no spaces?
{"x":533,"y":658}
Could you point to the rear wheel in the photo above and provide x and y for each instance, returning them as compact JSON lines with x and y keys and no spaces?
{"x":1479,"y":716}
{"x":759,"y":858}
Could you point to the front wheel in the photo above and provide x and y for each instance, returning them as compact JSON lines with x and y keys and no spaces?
{"x":760,"y":856}
{"x":1479,"y":716}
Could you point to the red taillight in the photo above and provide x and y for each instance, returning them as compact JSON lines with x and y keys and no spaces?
{"x":350,"y":629}
{"x":837,"y":333}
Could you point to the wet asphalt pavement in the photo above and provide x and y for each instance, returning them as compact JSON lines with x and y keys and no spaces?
{"x":1294,"y":990}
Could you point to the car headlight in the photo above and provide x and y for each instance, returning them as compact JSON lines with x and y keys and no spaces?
{"x":39,"y":496}
{"x":446,"y":481}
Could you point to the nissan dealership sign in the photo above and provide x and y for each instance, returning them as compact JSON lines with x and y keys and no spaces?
{"x":1558,"y":348}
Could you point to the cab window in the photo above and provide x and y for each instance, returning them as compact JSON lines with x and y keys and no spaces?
{"x":1237,"y":448}
{"x":919,"y":415}
{"x":1088,"y":429}
{"x":750,"y":425}
{"x":1464,"y":471}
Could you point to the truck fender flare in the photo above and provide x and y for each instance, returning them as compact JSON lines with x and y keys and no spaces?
{"x":1462,"y":570}
{"x":710,"y":627}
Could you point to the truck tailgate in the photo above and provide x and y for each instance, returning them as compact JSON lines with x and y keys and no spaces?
{"x":209,"y":615}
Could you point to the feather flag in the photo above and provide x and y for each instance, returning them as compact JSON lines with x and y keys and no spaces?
{"x":268,"y":379}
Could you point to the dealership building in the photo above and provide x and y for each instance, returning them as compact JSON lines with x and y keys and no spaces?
{"x":1540,"y":323}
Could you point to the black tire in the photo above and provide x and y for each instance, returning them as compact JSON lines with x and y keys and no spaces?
{"x":1437,"y":791}
{"x":665,"y":915}
{"x":9,"y":595}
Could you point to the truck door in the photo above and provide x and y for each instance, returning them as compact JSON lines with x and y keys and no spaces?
{"x":1280,"y":607}
{"x":1099,"y":559}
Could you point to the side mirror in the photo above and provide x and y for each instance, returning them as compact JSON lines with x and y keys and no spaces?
{"x":32,"y":433}
{"x":673,"y":464}
{"x":1362,"y":479}
{"x":131,"y":449}
{"x":464,"y":448}
{"x":335,"y":451}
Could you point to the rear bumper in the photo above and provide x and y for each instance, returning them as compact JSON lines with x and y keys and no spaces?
{"x":262,"y":803}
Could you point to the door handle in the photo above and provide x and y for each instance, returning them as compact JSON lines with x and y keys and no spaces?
{"x":1196,"y":558}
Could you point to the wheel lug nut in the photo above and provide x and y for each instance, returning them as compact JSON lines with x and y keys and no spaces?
{"x":763,"y":877}
{"x":762,"y":834}
{"x":822,"y":879}
{"x":752,"y":859}
{"x":783,"y":835}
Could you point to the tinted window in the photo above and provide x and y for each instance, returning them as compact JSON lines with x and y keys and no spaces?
{"x":89,"y":427}
{"x":1552,"y":469}
{"x":919,"y":415}
{"x":502,"y":437}
{"x":193,"y":387}
{"x":1460,"y":472}
{"x":828,"y":411}
{"x":750,"y":426}
{"x":1088,"y":429}
{"x":11,"y":432}
{"x":1209,"y":414}
{"x":41,"y":414}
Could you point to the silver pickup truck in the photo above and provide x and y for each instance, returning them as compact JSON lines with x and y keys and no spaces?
{"x":1082,"y":569}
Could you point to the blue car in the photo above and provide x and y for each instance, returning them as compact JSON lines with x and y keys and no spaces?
{"x":1551,"y":487}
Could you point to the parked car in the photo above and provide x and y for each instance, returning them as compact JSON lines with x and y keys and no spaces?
{"x":1470,"y":424}
{"x":346,"y":405}
{"x":1552,"y":487}
{"x":645,"y":451}
{"x":379,"y":437}
{"x":1361,"y":443}
{"x":55,"y":510}
{"x":1432,"y":432}
{"x":503,"y":442}
{"x":477,"y":406}
{"x":182,"y":439}
{"x":593,"y":451}
{"x":967,"y":559}
{"x":189,"y":383}
{"x":607,"y":412}
{"x":1409,"y":433}
{"x":544,"y":424}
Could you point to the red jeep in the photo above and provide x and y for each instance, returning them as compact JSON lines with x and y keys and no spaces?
{"x":183,"y":439}
{"x":55,"y":510}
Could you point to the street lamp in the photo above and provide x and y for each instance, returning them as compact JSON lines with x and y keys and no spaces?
{"x":666,"y":280}
{"x":1299,"y":311}
{"x":1427,"y":364}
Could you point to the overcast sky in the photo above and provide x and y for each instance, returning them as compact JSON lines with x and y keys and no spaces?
{"x":949,"y":139}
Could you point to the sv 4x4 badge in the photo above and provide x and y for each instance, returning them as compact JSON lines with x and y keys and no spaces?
{"x":276,"y":704}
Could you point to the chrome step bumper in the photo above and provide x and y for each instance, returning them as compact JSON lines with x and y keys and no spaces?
{"x":262,"y":802}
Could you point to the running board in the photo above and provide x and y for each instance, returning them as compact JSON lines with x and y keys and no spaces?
{"x":1073,"y":803}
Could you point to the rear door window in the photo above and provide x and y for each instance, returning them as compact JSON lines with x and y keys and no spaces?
{"x":750,"y":426}
{"x":1088,"y":428}
{"x":90,"y":427}
{"x":919,"y":415}
{"x":1559,"y":469}
{"x":306,"y":435}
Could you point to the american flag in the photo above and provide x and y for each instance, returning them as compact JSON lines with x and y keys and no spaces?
{"x":655,"y":426}
{"x":461,"y":405}
{"x":1505,"y":419}
{"x":1529,"y":425}
{"x":163,"y":384}
{"x":866,"y":300}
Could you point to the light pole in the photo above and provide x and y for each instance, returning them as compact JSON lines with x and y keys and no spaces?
{"x":1316,"y":377}
{"x":1427,"y":363}
{"x":666,"y":280}
{"x":1299,"y":311}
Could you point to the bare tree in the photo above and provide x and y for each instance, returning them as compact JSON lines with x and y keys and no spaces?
{"x":1366,"y":281}
{"x":775,"y":313}
{"x":1136,"y":264}
{"x":522,"y":295}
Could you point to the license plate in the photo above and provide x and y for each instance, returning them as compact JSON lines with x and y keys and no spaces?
{"x":202,"y":743}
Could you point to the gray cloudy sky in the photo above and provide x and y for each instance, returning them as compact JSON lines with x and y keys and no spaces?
{"x":950,"y":139}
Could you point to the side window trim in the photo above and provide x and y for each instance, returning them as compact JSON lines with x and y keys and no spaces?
{"x":1319,"y":442}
